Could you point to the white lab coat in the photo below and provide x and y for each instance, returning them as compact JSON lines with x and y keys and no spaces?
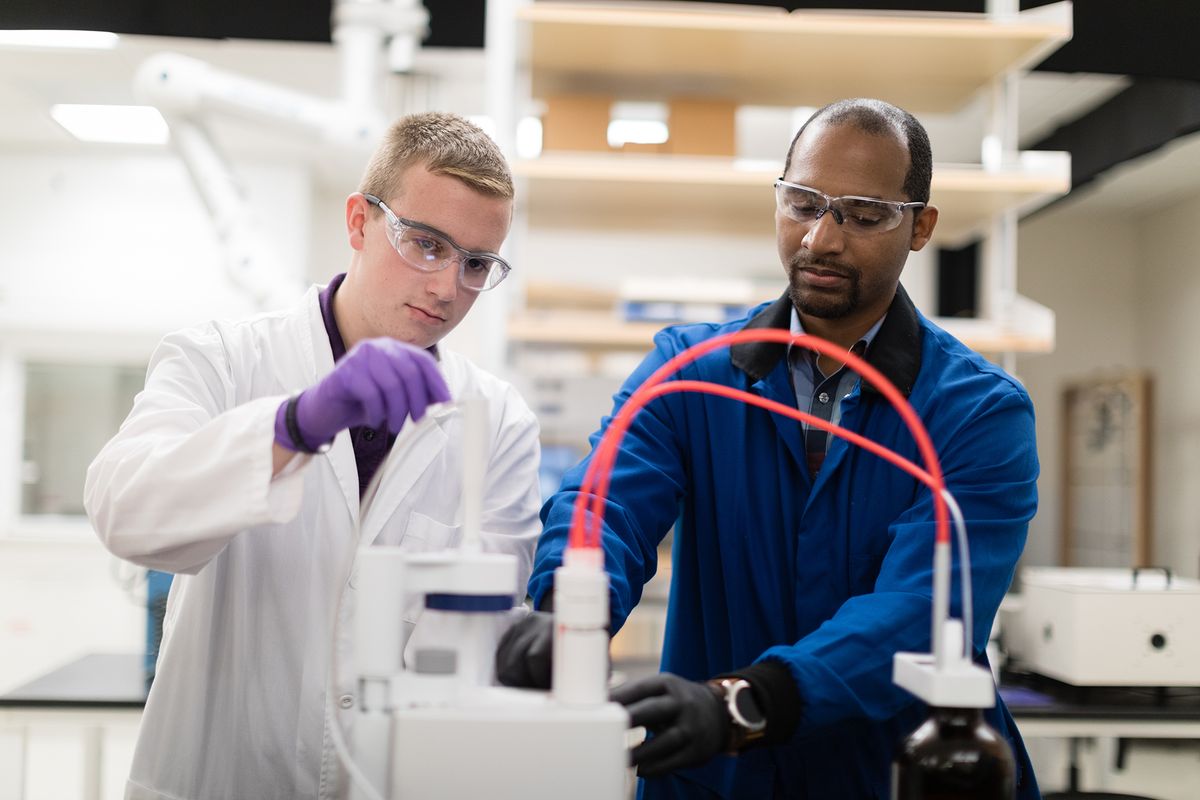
{"x":237,"y":709}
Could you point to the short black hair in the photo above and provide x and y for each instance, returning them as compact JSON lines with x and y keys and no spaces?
{"x":879,"y":118}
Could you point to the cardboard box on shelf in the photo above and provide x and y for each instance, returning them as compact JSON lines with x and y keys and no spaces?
{"x":701,"y":127}
{"x":576,"y":122}
{"x":579,"y":122}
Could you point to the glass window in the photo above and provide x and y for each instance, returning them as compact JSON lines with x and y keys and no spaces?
{"x":71,"y":410}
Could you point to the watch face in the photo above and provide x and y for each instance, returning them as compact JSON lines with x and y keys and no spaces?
{"x":743,"y":699}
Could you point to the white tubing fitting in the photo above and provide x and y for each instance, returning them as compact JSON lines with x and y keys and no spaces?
{"x":580,"y":656}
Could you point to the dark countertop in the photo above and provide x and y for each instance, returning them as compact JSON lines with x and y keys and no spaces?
{"x":1032,"y":696}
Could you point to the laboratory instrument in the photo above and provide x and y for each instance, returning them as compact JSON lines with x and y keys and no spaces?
{"x":1092,"y":626}
{"x":429,"y":723}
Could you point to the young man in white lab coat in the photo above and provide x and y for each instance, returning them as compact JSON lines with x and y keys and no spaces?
{"x":241,"y":465}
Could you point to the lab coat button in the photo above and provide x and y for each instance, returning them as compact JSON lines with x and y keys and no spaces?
{"x":346,"y":701}
{"x":823,"y":398}
{"x":353,"y":579}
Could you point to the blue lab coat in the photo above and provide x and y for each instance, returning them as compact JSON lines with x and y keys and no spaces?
{"x":828,"y":577}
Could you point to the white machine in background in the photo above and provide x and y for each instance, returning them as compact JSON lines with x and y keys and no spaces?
{"x":432,"y":725}
{"x":1107,"y":627}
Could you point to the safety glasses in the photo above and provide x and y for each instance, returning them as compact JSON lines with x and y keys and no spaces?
{"x":857,"y":215}
{"x":430,"y":250}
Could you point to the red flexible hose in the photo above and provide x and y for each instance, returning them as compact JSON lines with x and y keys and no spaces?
{"x":596,"y":479}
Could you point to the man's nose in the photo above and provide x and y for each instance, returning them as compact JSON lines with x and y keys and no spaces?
{"x":443,"y":284}
{"x":824,"y":234}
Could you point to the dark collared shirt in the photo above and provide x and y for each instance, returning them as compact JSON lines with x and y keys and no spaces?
{"x":819,"y":394}
{"x":371,"y":445}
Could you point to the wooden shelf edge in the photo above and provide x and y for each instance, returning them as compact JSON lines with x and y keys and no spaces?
{"x":646,"y":51}
{"x":613,"y":334}
{"x":1052,"y":174}
{"x":1050,"y":23}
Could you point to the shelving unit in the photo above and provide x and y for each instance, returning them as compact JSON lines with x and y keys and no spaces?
{"x":752,"y":54}
{"x":755,"y":55}
{"x":633,"y":190}
{"x":597,"y":327}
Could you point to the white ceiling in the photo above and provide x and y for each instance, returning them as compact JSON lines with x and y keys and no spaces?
{"x":31,"y":80}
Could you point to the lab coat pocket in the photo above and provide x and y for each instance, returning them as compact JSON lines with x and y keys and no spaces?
{"x":424,"y":535}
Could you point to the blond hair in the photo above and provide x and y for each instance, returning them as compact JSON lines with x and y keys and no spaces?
{"x":445,"y":144}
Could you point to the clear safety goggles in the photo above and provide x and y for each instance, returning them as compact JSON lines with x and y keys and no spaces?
{"x":857,"y":215}
{"x":430,"y":250}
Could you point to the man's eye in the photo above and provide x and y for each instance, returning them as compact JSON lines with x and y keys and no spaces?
{"x":476,"y":265}
{"x":427,"y":244}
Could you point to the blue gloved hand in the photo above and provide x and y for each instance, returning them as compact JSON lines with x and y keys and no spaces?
{"x":685,"y":721}
{"x":523,"y":657}
{"x":380,"y":382}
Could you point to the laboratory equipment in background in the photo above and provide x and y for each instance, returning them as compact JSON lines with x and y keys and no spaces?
{"x":1091,"y":626}
{"x":429,"y":723}
{"x":158,"y":586}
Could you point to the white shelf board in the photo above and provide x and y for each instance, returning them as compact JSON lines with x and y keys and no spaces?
{"x":921,"y":61}
{"x":656,"y":192}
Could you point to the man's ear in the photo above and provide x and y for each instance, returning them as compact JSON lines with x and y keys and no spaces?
{"x":356,"y":219}
{"x":923,"y":227}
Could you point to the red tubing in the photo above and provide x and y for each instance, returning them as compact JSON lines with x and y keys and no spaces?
{"x":596,"y":479}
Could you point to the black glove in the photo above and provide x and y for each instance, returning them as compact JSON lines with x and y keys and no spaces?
{"x":524,"y":654}
{"x":686,"y":722}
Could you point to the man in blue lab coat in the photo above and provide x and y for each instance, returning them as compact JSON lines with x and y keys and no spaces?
{"x":802,"y":564}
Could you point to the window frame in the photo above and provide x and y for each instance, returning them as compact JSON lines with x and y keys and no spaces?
{"x":17,"y":352}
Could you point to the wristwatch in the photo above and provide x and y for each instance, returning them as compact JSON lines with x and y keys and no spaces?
{"x":747,"y":723}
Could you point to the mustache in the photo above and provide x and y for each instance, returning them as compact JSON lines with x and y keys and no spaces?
{"x":801,"y":261}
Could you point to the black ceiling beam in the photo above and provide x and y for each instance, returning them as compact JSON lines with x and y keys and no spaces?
{"x":1149,"y":38}
{"x":452,"y":23}
{"x":1139,"y":120}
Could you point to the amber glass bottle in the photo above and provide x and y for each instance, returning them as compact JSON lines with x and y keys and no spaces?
{"x":954,"y":755}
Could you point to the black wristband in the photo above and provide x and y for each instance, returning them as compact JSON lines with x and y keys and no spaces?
{"x":777,"y":696}
{"x":293,"y":427}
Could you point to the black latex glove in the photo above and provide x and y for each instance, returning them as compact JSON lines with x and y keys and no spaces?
{"x":686,"y":722}
{"x":523,"y":655}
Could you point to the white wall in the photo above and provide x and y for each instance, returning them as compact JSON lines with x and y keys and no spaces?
{"x":1078,"y":264}
{"x":104,"y":250}
{"x":119,"y":239}
{"x":1126,"y":288}
{"x":1166,"y":277}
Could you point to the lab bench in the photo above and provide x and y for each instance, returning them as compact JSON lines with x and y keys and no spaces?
{"x":93,"y":695}
{"x":1110,"y":716}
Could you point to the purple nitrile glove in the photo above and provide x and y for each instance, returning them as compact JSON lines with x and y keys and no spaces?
{"x":380,"y":382}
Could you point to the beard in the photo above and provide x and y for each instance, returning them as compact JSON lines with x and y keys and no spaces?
{"x":823,"y":303}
